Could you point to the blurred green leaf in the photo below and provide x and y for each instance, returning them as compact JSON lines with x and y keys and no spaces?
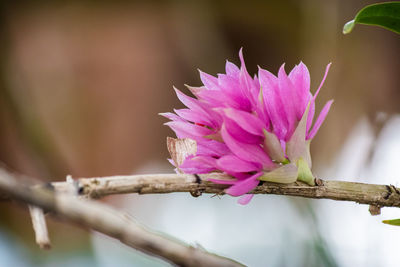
{"x":385,"y":15}
{"x":392,"y":222}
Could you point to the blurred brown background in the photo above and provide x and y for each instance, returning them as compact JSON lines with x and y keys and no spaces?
{"x":82,"y":82}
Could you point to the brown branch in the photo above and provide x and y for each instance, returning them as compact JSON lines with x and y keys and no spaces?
{"x":111,"y":222}
{"x":40,"y":227}
{"x":119,"y":225}
{"x":372,"y":194}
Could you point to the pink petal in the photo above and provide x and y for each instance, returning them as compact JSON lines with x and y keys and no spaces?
{"x":234,"y":164}
{"x":247,"y":86}
{"x":188,"y":101}
{"x":196,"y":105}
{"x":198,"y":164}
{"x":231,"y":69}
{"x":289,"y":99}
{"x":246,"y":121}
{"x":247,"y":152}
{"x":188,"y":130}
{"x":195,"y":90}
{"x":260,"y":111}
{"x":214,"y":98}
{"x":195,"y":117}
{"x":273,"y":103}
{"x":192,"y":103}
{"x":236,"y":95}
{"x":320,"y":120}
{"x":172,"y":116}
{"x":283,"y":145}
{"x":209,"y":81}
{"x":245,"y":199}
{"x":212,"y":148}
{"x":240,"y":134}
{"x":241,"y":56}
{"x":238,"y":175}
{"x":300,"y":78}
{"x":195,"y":169}
{"x":245,"y":186}
{"x":312,"y":107}
{"x":323,"y":79}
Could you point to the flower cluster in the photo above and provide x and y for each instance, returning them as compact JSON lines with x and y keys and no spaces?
{"x":252,"y":128}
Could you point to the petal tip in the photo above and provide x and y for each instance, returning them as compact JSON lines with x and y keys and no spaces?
{"x":245,"y":199}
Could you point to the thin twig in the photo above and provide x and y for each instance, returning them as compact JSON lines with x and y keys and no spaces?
{"x":40,"y":227}
{"x":371,"y":194}
{"x":111,"y":222}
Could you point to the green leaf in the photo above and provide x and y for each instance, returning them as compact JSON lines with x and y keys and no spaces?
{"x":392,"y":222}
{"x":385,"y":15}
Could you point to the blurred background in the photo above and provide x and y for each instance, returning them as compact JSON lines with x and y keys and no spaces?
{"x":82,"y":82}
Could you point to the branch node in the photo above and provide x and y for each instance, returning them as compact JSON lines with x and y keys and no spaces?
{"x":198,"y":179}
{"x":374,"y":210}
{"x":385,"y":195}
{"x":319,"y":182}
{"x":78,"y":187}
{"x":197,"y":192}
{"x":395,"y":189}
{"x":388,"y":192}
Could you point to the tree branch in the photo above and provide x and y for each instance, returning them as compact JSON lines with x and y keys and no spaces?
{"x":109,"y":221}
{"x":119,"y":225}
{"x":40,"y":227}
{"x":372,"y":194}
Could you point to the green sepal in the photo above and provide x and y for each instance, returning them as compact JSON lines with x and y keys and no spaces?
{"x":304,"y":173}
{"x":285,"y":174}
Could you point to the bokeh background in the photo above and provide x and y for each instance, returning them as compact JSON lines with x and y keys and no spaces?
{"x":81,"y":86}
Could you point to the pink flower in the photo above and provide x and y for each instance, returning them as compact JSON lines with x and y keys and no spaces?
{"x":253,"y":129}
